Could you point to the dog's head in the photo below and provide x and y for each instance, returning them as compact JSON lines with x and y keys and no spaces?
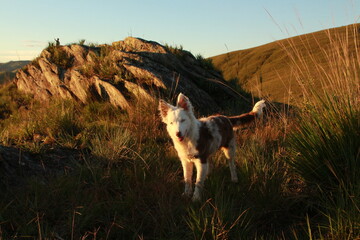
{"x":177,"y":118}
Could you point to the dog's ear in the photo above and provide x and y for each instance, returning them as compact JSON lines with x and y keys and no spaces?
{"x":184,"y":102}
{"x":163,"y":108}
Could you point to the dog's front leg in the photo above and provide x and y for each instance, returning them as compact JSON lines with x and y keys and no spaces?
{"x":201,"y":173}
{"x":188,"y":172}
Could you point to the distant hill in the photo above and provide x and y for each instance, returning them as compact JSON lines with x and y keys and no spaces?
{"x":12,"y":66}
{"x":268,"y":70}
{"x":9,"y":69}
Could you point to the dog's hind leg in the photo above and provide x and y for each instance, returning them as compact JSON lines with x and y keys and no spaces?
{"x":230,"y":155}
{"x":188,"y":172}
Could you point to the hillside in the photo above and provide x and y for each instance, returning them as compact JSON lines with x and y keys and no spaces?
{"x":12,"y":66}
{"x":273,"y":70}
{"x":8,"y":70}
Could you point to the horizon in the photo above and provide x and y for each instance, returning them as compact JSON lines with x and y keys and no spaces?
{"x":208,"y":28}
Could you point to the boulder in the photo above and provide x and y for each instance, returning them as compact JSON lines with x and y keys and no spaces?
{"x":121,"y":73}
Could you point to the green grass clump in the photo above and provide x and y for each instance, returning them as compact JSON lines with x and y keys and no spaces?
{"x":112,"y":144}
{"x":326,"y":143}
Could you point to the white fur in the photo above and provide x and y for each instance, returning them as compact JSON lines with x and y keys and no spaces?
{"x":258,"y":107}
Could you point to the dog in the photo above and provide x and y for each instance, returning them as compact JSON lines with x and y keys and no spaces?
{"x":195,"y":140}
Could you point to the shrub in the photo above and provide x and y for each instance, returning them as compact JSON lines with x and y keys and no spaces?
{"x":206,"y":63}
{"x":59,"y":56}
{"x":11,"y":100}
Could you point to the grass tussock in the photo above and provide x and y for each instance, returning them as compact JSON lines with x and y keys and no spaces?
{"x":326,"y":143}
{"x":118,"y":176}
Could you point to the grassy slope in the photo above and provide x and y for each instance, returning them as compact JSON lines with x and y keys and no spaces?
{"x":267,"y":70}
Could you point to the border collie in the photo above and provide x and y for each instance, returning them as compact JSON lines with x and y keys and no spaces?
{"x":195,"y":140}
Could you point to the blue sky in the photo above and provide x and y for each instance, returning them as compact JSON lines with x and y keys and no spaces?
{"x":209,"y":27}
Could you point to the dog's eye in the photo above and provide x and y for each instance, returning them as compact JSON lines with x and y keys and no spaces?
{"x":182,"y":120}
{"x":171,"y":123}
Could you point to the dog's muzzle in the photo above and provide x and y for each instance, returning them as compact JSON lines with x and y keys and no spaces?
{"x":179,"y":136}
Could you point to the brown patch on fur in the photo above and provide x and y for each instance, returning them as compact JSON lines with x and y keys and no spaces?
{"x":225,"y":129}
{"x":206,"y":137}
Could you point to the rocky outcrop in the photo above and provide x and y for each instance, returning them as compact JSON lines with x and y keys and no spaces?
{"x":121,"y":73}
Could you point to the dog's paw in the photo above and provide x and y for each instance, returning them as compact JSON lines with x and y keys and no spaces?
{"x":196,"y":197}
{"x":235,"y":179}
{"x":186,"y":194}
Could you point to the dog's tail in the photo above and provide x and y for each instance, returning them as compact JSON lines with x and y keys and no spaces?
{"x":247,"y":118}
